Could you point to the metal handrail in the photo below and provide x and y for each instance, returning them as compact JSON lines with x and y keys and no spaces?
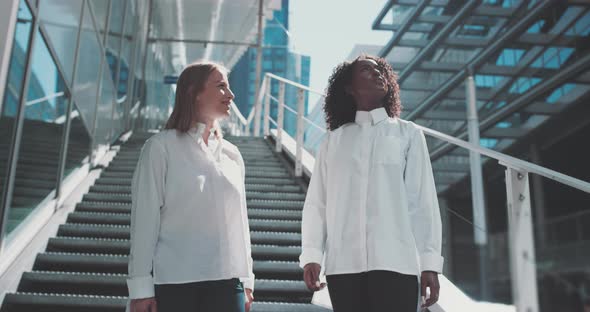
{"x":238,"y":114}
{"x":575,"y":215}
{"x":502,"y":158}
{"x":510,"y":161}
{"x":309,"y":121}
{"x":295,"y":84}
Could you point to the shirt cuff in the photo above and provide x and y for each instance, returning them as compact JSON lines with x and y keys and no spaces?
{"x":248,"y":282}
{"x":431,"y":262}
{"x":310,"y":255}
{"x":141,"y":287}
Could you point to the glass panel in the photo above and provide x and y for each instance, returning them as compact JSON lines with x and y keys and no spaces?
{"x":115,"y":29}
{"x":85,"y":86}
{"x":100,"y":9}
{"x":103,"y":126}
{"x":12,"y":94}
{"x":60,"y":18}
{"x":38,"y":158}
{"x":79,"y":142}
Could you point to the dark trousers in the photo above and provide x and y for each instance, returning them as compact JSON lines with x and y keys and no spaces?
{"x":209,"y":296}
{"x":373,"y":291}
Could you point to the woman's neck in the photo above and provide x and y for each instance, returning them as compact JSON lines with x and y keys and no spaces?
{"x":368,"y":104}
{"x":208,"y":126}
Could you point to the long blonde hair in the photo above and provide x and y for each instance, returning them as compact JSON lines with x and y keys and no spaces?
{"x":190,"y":83}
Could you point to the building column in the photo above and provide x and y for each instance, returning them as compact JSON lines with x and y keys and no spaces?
{"x":477,"y":191}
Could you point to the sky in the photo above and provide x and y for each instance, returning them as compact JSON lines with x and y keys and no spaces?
{"x":327,"y":30}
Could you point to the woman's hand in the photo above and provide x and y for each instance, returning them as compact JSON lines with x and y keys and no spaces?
{"x":144,"y":305}
{"x":430,"y":279}
{"x":249,"y":299}
{"x":311,"y":276}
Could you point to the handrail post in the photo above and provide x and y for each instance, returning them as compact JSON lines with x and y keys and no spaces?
{"x":521,"y":241}
{"x":258,"y":106}
{"x":280,"y":118}
{"x":300,"y":132}
{"x":267,"y":110}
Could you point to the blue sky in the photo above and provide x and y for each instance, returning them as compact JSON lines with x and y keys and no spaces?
{"x":327,"y":30}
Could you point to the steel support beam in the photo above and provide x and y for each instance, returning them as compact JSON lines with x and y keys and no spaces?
{"x":443,"y":33}
{"x":559,"y":78}
{"x":405,"y":26}
{"x":480,"y":59}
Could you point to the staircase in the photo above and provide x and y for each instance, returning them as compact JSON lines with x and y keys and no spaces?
{"x":36,"y":170}
{"x":84,"y":268}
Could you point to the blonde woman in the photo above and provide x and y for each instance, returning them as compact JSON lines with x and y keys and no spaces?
{"x":190,"y":239}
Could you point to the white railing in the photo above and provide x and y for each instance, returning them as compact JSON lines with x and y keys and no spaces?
{"x":520,"y":234}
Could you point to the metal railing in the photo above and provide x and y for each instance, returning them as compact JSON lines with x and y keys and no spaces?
{"x":520,"y":226}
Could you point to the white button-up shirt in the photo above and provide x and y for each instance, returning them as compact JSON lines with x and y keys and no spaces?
{"x":371,"y":202}
{"x":189,"y":221}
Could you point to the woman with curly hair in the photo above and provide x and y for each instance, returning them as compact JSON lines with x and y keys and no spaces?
{"x":371,"y":217}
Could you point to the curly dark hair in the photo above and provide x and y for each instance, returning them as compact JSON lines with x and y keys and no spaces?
{"x":340,"y":107}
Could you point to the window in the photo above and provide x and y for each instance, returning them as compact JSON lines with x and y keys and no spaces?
{"x":553,"y":57}
{"x":559,"y":92}
{"x":509,"y":57}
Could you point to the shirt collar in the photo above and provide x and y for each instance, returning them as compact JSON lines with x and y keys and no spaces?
{"x":197,"y":132}
{"x":375,"y":116}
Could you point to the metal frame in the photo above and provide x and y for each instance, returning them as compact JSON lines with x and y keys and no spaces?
{"x":202,"y":41}
{"x":116,"y":102}
{"x":444,"y":32}
{"x":66,"y":133}
{"x":38,"y":28}
{"x":258,"y":72}
{"x":397,"y":37}
{"x":529,"y":97}
{"x":480,"y":59}
{"x":505,"y":28}
{"x":7,"y":41}
{"x":100,"y":73}
{"x":17,"y":132}
{"x":144,"y":61}
{"x":131,"y":79}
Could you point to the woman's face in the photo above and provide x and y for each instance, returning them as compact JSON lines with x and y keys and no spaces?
{"x":214,"y":101}
{"x":367,"y":80}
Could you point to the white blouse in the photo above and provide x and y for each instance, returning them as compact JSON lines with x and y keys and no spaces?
{"x":372,"y":202}
{"x":189,"y":221}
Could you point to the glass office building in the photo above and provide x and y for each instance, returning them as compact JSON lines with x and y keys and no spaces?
{"x":278,"y":59}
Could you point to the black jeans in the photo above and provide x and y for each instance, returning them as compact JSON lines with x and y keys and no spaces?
{"x":208,"y":296}
{"x":373,"y":291}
